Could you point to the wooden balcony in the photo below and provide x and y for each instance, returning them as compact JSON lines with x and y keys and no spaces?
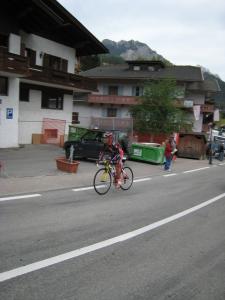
{"x":61,"y":78}
{"x":13,"y":63}
{"x":111,"y":99}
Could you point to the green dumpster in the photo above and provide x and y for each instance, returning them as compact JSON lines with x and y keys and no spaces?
{"x":75,"y":133}
{"x":149,"y":152}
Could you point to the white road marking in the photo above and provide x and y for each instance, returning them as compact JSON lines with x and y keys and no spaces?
{"x":83,"y":189}
{"x":20,"y":197}
{"x":142,"y":179}
{"x":171,"y":174}
{"x":118,"y":239}
{"x":221,"y":164}
{"x":195,"y":170}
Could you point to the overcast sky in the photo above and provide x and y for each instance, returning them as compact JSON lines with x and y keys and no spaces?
{"x":186,"y":32}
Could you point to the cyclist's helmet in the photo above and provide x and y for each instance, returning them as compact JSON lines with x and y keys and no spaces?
{"x":108,"y":138}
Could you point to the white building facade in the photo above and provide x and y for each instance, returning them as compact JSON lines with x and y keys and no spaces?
{"x":38,"y":59}
{"x":119,"y":85}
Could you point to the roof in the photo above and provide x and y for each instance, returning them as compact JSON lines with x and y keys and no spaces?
{"x":49,"y":19}
{"x":210,"y":85}
{"x":180,"y":73}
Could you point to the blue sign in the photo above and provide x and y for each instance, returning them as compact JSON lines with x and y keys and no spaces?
{"x":9,"y":113}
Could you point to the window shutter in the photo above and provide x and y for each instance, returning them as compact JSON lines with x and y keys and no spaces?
{"x":46,"y":61}
{"x":64,"y":65}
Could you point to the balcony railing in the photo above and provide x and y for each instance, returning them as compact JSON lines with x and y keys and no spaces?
{"x":111,"y":123}
{"x":61,"y":78}
{"x":111,"y":99}
{"x":13,"y":63}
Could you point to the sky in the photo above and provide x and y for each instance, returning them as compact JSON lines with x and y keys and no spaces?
{"x":185,"y":32}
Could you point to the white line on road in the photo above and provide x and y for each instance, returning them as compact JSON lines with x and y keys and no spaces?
{"x":118,"y":239}
{"x":20,"y":197}
{"x":195,"y":170}
{"x":83,"y":189}
{"x":142,"y":179}
{"x":172,"y":174}
{"x":101,"y":186}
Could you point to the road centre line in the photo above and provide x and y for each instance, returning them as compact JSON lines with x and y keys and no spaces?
{"x":83,"y":189}
{"x":171,"y":174}
{"x":19,"y":197}
{"x":91,"y":187}
{"x":100,"y":245}
{"x":195,"y":170}
{"x":142,"y":179}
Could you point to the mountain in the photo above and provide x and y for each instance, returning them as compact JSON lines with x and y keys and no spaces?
{"x":131,"y":50}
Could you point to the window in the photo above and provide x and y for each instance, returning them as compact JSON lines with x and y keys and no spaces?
{"x":4,"y":40}
{"x":55,"y":63}
{"x":137,"y":91}
{"x":24,"y":93}
{"x":52,"y":99}
{"x":137,"y":68}
{"x":150,"y":68}
{"x":4,"y":86}
{"x":113,"y":90}
{"x":75,"y":118}
{"x":111,"y":112}
{"x":31,"y":54}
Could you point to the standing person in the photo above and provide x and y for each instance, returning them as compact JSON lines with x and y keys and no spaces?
{"x":116,"y":153}
{"x":221,"y":151}
{"x":168,"y":153}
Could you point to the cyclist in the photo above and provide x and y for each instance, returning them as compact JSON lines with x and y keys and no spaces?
{"x":116,"y":154}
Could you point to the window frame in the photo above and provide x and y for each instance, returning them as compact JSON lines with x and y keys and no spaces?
{"x":111,"y":112}
{"x":113,"y":90}
{"x":4,"y":86}
{"x":50,"y":96}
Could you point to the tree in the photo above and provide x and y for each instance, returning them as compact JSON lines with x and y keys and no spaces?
{"x":89,"y":62}
{"x":156,"y":110}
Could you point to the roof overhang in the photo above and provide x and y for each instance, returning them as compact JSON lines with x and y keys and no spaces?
{"x":49,"y":19}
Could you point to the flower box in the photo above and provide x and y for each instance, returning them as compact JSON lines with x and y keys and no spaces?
{"x":66,"y":166}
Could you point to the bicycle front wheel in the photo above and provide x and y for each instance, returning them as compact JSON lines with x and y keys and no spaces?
{"x":102,"y":181}
{"x":127,"y":178}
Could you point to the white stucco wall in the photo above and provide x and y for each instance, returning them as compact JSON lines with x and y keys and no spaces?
{"x":31,"y":115}
{"x":9,"y":127}
{"x":42,"y":45}
{"x":98,"y":111}
{"x":14,"y":43}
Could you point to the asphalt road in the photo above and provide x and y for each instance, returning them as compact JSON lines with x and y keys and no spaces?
{"x":163,"y":239}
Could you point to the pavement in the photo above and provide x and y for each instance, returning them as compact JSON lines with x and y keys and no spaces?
{"x":32,"y":168}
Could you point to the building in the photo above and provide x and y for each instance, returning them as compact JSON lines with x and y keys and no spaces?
{"x":40,"y":46}
{"x":119,"y":85}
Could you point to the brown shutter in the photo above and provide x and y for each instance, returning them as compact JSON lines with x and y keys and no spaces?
{"x":46,"y":61}
{"x":64,"y":65}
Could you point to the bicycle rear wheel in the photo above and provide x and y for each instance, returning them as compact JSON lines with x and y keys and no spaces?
{"x":102,"y":181}
{"x":127,"y":178}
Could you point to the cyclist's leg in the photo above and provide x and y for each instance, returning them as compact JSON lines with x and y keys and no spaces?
{"x":118,"y":173}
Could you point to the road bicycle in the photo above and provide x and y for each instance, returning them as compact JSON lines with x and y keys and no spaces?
{"x":106,"y":175}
